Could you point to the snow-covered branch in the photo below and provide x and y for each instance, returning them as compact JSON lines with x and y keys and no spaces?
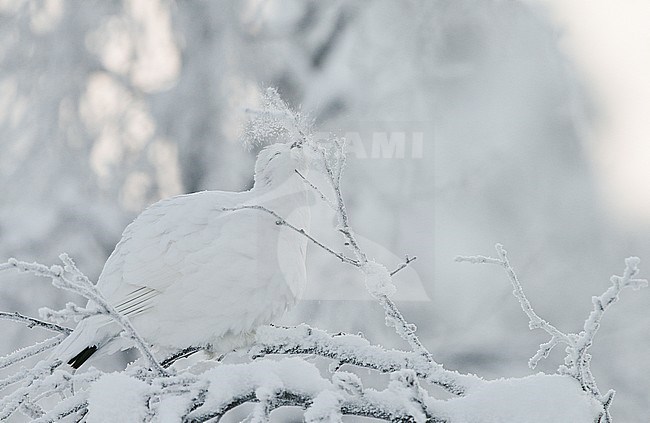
{"x":357,"y":351}
{"x":297,"y":383}
{"x":32,"y":350}
{"x":577,"y":362}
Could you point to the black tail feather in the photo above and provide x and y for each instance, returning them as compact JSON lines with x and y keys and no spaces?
{"x":81,"y":358}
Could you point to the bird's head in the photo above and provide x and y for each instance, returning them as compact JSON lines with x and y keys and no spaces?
{"x":278,"y":162}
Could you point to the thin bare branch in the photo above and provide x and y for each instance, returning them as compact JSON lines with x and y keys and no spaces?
{"x":407,"y":261}
{"x":281,"y":221}
{"x":317,"y":190}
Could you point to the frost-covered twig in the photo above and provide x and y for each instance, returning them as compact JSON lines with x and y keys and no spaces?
{"x":320,"y":193}
{"x":32,"y":322}
{"x":75,"y":404}
{"x":407,"y":261}
{"x":281,"y":221}
{"x":63,"y":409}
{"x":33,"y":378}
{"x":32,"y":350}
{"x":31,"y":410}
{"x":534,"y":321}
{"x":78,"y":283}
{"x":378,"y":279}
{"x":71,"y":312}
{"x":578,"y":360}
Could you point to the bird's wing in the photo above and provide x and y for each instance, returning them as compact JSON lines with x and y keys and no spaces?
{"x":137,"y":301}
{"x":165,"y":243}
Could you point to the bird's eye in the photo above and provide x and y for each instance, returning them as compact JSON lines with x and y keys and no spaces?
{"x":297,"y":144}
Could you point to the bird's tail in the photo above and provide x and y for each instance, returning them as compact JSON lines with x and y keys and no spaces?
{"x":81,"y":358}
{"x":90,"y":335}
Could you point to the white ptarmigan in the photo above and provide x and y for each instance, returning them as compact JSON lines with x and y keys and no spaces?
{"x":189,"y":273}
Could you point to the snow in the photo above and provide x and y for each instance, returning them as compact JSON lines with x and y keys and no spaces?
{"x":171,"y":409}
{"x":354,"y":349}
{"x":116,"y":397}
{"x":230,"y":381}
{"x":378,"y":279}
{"x":538,"y":398}
{"x":325,"y":408}
{"x":348,"y":382}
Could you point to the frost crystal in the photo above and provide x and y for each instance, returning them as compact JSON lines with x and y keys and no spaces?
{"x":274,"y":122}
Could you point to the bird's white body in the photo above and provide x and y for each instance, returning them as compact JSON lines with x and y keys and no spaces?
{"x":189,"y":273}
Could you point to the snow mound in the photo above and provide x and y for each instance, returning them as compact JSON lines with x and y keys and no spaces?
{"x":116,"y":397}
{"x":230,"y":381}
{"x":538,"y":398}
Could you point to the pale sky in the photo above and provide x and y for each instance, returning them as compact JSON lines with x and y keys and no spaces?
{"x":609,"y":43}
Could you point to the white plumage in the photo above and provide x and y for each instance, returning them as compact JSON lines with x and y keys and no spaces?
{"x":187,"y":273}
